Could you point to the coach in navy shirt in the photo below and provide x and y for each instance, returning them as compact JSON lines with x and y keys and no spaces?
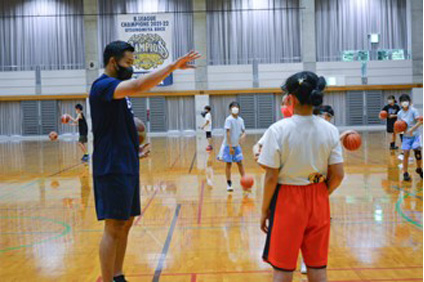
{"x":116,"y":149}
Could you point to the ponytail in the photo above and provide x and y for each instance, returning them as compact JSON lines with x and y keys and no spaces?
{"x":307,"y":87}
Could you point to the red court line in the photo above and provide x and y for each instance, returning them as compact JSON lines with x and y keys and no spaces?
{"x":193,"y":277}
{"x":377,"y":268}
{"x":199,"y":209}
{"x":147,"y":205}
{"x":270,"y":271}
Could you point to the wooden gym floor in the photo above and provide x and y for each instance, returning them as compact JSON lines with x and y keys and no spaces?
{"x":191,"y":229}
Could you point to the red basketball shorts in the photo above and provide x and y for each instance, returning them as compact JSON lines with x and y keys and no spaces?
{"x":300,"y":220}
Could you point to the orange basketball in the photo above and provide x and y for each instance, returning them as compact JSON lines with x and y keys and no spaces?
{"x":400,"y":126}
{"x":53,"y":136}
{"x":246,"y":182}
{"x":54,"y":184}
{"x":420,"y":118}
{"x":352,"y":141}
{"x":383,"y":115}
{"x":141,"y":130}
{"x":65,"y":118}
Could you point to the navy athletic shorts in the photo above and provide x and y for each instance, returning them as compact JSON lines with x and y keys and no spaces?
{"x":117,"y":196}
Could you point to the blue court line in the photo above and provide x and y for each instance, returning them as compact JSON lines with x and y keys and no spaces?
{"x":192,"y":162}
{"x":165,"y":249}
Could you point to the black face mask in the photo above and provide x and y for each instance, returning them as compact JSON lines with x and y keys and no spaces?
{"x":124,"y":73}
{"x":203,"y":114}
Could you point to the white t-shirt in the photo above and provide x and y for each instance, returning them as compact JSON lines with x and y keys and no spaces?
{"x":208,"y":117}
{"x":262,"y":140}
{"x":302,"y":147}
{"x":236,"y":127}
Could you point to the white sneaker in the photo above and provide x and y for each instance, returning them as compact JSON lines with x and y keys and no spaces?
{"x":230,"y":189}
{"x":303,"y":268}
{"x":400,"y":157}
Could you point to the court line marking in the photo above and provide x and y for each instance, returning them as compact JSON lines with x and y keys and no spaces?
{"x":192,"y":162}
{"x":147,"y":205}
{"x":270,"y":271}
{"x":37,"y":180}
{"x":404,"y":216}
{"x":396,"y":187}
{"x":178,"y":157}
{"x":398,"y":207}
{"x":200,"y":205}
{"x":67,"y":229}
{"x":359,"y":274}
{"x":165,"y":249}
{"x":65,"y":169}
{"x":227,"y":225}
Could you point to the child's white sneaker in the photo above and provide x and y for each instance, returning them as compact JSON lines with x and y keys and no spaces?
{"x":303,"y":268}
{"x":230,"y":188}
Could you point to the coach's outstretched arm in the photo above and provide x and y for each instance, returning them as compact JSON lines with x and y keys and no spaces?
{"x":147,"y":82}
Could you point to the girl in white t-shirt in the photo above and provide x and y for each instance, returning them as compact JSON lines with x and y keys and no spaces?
{"x":208,"y":126}
{"x":303,"y":160}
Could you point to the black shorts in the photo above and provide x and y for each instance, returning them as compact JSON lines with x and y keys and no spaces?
{"x":83,"y":139}
{"x":208,"y":134}
{"x":117,"y":196}
{"x":390,"y":126}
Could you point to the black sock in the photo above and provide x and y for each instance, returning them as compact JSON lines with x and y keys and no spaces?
{"x":392,"y":144}
{"x":229,"y":182}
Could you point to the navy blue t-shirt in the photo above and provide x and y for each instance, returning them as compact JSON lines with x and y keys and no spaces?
{"x":115,"y":135}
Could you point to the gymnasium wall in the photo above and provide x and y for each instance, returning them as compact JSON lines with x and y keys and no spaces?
{"x":237,"y":38}
{"x":177,"y":114}
{"x":219,"y":77}
{"x":172,"y":114}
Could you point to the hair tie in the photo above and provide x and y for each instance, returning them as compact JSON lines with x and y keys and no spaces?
{"x":301,"y":80}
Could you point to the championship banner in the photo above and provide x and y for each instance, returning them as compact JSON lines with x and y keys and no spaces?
{"x":151,"y":36}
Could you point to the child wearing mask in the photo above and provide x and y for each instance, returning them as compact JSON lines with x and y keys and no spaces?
{"x":411,"y":138}
{"x":207,"y":127}
{"x":392,"y":109}
{"x":231,"y":150}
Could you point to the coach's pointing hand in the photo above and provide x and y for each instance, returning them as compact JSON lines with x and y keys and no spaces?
{"x":185,"y":62}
